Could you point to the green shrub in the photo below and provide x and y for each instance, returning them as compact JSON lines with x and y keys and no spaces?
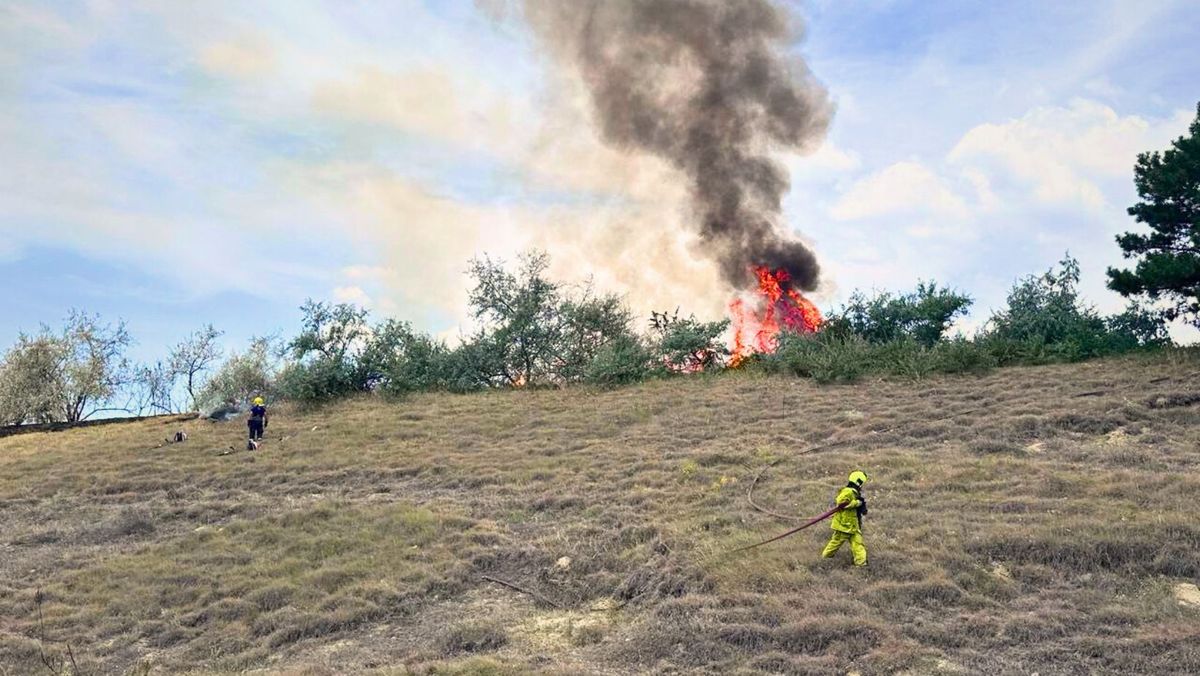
{"x":691,"y":345}
{"x":960,"y":355}
{"x":1045,"y":321}
{"x":922,"y":316}
{"x":624,"y":360}
{"x":901,"y":357}
{"x":1138,"y":327}
{"x":244,"y":375}
{"x":317,"y":381}
{"x":403,"y":360}
{"x":822,"y":357}
{"x":65,"y":376}
{"x":476,"y":364}
{"x":795,"y":354}
{"x":327,"y":354}
{"x":534,"y":331}
{"x":1009,"y":351}
{"x":829,"y":358}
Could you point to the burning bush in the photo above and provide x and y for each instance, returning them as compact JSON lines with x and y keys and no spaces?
{"x":777,"y":306}
{"x":687,"y":345}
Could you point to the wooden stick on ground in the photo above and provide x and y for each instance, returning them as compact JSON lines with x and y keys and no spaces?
{"x":514,"y":587}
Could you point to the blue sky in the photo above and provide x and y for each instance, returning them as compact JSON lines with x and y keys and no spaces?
{"x":176,"y":164}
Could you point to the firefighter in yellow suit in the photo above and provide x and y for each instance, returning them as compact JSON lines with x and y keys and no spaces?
{"x":847,"y":522}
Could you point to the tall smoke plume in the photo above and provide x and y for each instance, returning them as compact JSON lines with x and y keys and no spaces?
{"x":707,"y":86}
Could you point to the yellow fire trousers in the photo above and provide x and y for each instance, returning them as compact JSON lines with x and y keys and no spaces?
{"x":857,"y":548}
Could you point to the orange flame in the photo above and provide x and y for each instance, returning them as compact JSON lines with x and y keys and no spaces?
{"x":756,"y":325}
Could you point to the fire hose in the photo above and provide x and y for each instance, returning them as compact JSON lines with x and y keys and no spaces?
{"x":813,"y":449}
{"x":811,"y":522}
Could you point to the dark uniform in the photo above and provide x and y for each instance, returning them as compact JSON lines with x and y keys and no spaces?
{"x":257,"y":421}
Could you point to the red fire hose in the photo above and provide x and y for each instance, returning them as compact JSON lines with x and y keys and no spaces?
{"x":810,"y":522}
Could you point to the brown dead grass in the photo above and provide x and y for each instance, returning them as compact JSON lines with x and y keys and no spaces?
{"x":1036,"y":531}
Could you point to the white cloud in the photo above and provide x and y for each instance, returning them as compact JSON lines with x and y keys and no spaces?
{"x":1010,"y":198}
{"x":829,"y":159}
{"x":247,"y":56}
{"x":985,"y":198}
{"x":902,"y":188}
{"x":1064,"y":154}
{"x":354,"y":295}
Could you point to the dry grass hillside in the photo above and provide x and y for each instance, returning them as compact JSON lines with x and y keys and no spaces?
{"x":1032,"y":520}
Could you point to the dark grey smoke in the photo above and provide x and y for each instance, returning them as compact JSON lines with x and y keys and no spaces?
{"x":706,"y":85}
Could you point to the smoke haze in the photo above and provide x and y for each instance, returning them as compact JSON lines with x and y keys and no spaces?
{"x":706,"y":86}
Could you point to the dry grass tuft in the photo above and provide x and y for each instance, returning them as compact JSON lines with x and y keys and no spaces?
{"x":473,"y":638}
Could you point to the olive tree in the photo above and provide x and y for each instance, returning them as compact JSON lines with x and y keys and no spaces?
{"x":243,"y":374}
{"x":535,"y":331}
{"x":69,"y":375}
{"x":190,"y":359}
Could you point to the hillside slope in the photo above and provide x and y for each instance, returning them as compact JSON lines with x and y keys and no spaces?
{"x":1034,"y":519}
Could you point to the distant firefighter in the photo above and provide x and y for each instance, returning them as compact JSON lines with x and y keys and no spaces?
{"x":258,"y":419}
{"x":847,"y":522}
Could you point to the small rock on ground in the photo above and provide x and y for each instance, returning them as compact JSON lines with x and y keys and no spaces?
{"x":1187,"y":594}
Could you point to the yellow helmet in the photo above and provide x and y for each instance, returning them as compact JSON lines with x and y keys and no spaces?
{"x":258,"y":401}
{"x":858,"y":478}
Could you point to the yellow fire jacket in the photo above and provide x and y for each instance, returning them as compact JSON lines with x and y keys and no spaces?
{"x":846,"y":520}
